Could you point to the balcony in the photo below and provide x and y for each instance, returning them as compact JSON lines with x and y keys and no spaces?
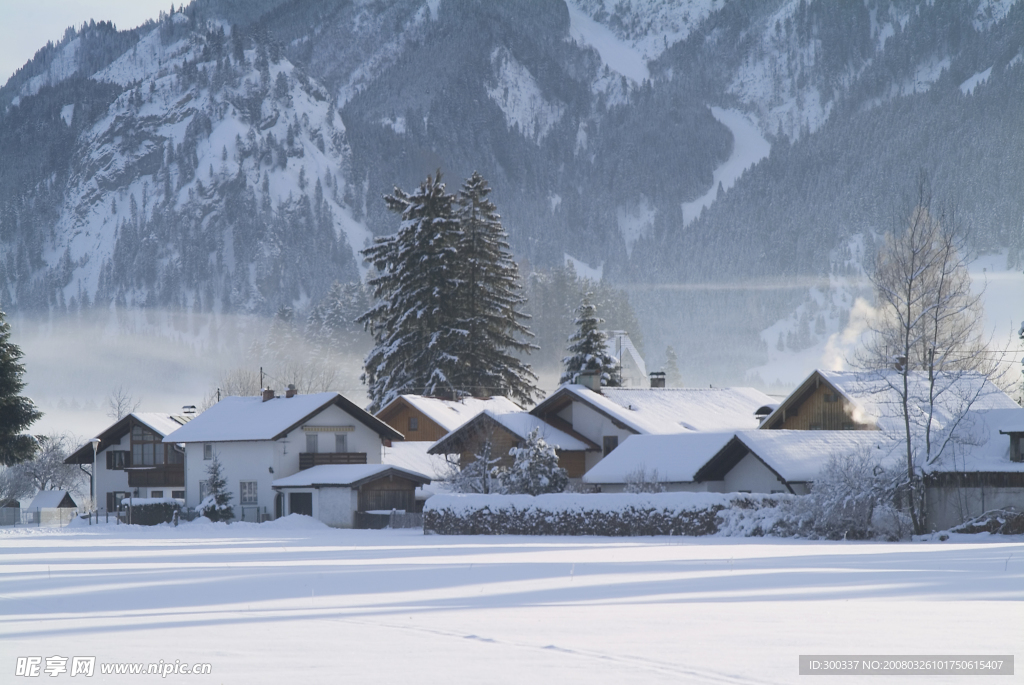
{"x":308,"y":460}
{"x":163,"y":476}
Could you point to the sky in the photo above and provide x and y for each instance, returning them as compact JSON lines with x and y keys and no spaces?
{"x":28,"y":24}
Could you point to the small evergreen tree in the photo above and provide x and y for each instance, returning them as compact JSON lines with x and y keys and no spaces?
{"x":588,"y":348}
{"x":490,"y":303}
{"x":479,"y":476}
{"x":414,"y":323}
{"x":535,"y":470}
{"x":17,"y":413}
{"x":216,"y":506}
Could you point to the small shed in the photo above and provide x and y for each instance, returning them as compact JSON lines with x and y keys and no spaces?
{"x":53,"y":499}
{"x":333,"y":493}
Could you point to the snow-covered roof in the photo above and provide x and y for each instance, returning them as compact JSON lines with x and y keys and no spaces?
{"x":164,"y":424}
{"x":252,"y":418}
{"x":677,"y":458}
{"x":344,"y":475}
{"x":664,"y":411}
{"x":981,"y":444}
{"x":50,"y":499}
{"x":519,"y":423}
{"x":413,"y":455}
{"x":798,"y":455}
{"x":160,"y":423}
{"x":450,"y":414}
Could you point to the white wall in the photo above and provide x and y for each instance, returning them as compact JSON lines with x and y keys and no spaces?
{"x":111,"y":480}
{"x":360,"y":439}
{"x":750,"y":474}
{"x":594,"y":426}
{"x":337,"y":506}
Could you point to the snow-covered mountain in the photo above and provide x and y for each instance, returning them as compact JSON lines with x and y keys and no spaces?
{"x":230,"y":157}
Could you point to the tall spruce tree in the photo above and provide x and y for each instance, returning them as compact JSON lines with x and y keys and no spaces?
{"x":490,"y":302}
{"x":17,"y":413}
{"x":588,"y":352}
{"x":414,"y":322}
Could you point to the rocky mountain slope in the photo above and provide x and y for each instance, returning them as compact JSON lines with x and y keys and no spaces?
{"x":231,"y":157}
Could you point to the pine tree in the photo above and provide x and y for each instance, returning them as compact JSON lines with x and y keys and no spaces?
{"x":672,"y":374}
{"x":216,"y":506}
{"x":535,"y":470}
{"x":17,"y":413}
{"x":490,"y":302}
{"x":414,"y":322}
{"x":588,"y":348}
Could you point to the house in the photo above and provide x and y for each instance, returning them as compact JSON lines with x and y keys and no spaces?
{"x":53,"y":499}
{"x":632,"y":369}
{"x":133,"y":460}
{"x":607,"y":417}
{"x":781,"y":461}
{"x":334,"y":493}
{"x":501,"y":432}
{"x":260,"y":439}
{"x":424,"y":421}
{"x":52,"y":507}
{"x":977,"y":429}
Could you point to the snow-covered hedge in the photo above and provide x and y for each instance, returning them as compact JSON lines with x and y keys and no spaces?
{"x":150,"y":511}
{"x":666,"y":513}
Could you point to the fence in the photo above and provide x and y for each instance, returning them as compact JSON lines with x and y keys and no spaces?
{"x":395,"y":519}
{"x":15,"y":516}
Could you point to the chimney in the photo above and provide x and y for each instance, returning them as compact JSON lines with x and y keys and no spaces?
{"x":590,"y":379}
{"x":291,"y":391}
{"x":657,"y":379}
{"x":268,"y":394}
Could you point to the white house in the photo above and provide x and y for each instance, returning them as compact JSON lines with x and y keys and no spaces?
{"x":260,"y":439}
{"x":334,"y":493}
{"x":608,"y":417}
{"x":778,"y":461}
{"x":133,"y":460}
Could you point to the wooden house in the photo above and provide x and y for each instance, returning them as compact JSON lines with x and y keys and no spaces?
{"x":500,"y":433}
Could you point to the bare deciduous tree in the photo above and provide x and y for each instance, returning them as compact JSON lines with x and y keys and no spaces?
{"x":121,"y":403}
{"x":47,"y":471}
{"x":927,"y":340}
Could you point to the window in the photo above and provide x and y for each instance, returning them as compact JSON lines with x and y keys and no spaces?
{"x":248,"y":492}
{"x":340,"y":443}
{"x":147,"y":447}
{"x":610,"y":443}
{"x":207,"y":452}
{"x":414,"y":423}
{"x":311,"y":443}
{"x":156,"y":493}
{"x":831,"y":397}
{"x":847,"y":426}
{"x":815,"y":426}
{"x":204,"y":490}
{"x":117,"y":459}
{"x":175,"y":455}
{"x":178,"y":494}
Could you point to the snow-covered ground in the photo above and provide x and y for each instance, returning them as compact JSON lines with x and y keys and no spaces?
{"x":270,"y":603}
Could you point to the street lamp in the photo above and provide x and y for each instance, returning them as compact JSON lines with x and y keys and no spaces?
{"x":92,"y":473}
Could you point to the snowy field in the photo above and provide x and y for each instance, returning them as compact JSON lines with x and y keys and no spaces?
{"x":293,"y":601}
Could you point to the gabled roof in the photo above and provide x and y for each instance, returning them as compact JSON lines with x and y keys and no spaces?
{"x":346,"y":475}
{"x":517,"y":423}
{"x":664,"y":411}
{"x":984,"y":444}
{"x":618,"y":344}
{"x":677,"y":458}
{"x":875,"y":396}
{"x":236,"y":419}
{"x":450,"y":414}
{"x":52,"y":499}
{"x":795,"y":456}
{"x":162,"y":424}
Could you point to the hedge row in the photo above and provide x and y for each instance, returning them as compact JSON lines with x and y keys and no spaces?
{"x":679,"y":513}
